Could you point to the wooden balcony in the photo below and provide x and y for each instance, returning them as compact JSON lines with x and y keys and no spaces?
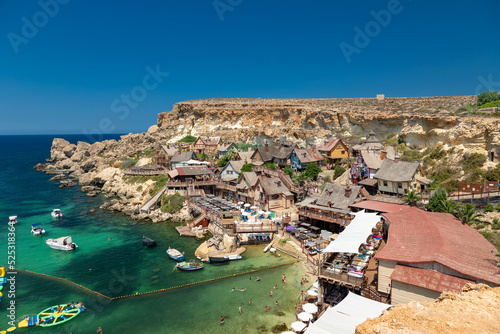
{"x":255,"y":228}
{"x":341,"y":277}
{"x":326,"y":216}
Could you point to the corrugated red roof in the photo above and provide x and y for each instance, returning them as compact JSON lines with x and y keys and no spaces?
{"x":417,"y":236}
{"x":379,"y":206}
{"x":429,"y":279}
{"x":327,"y":147}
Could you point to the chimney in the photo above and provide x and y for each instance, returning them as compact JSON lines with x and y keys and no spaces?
{"x":383,"y":154}
{"x":278,"y":183}
{"x":266,"y":147}
{"x":348,"y":191}
{"x":396,"y":157}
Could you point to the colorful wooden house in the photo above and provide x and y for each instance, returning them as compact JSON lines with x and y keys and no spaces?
{"x":300,"y":158}
{"x":334,"y":150}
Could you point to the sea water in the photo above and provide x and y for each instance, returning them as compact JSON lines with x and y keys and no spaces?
{"x":112,"y":261}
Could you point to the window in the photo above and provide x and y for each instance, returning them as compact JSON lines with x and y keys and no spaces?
{"x":343,"y":152}
{"x":400,"y":185}
{"x":385,"y":183}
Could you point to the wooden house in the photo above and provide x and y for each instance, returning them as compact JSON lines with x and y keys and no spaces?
{"x":163,"y":155}
{"x":278,"y":155}
{"x":300,"y":158}
{"x":272,"y":194}
{"x":231,"y":171}
{"x":245,"y":188}
{"x":334,"y":150}
{"x":206,"y":145}
{"x":226,"y":148}
{"x":400,"y":177}
{"x":180,"y":158}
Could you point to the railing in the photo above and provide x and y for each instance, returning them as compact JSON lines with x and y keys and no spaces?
{"x":145,"y":172}
{"x":324,"y":217}
{"x":341,"y":277}
{"x":255,"y":228}
{"x":218,"y":184}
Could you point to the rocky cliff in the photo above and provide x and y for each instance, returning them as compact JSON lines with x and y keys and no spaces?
{"x":421,"y":121}
{"x":474,"y":310}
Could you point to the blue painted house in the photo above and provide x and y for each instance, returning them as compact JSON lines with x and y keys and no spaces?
{"x":300,"y":158}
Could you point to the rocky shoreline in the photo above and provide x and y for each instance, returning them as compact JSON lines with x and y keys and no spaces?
{"x":97,"y":173}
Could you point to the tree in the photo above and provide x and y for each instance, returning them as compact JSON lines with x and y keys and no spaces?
{"x":247,"y":168}
{"x":312,"y":171}
{"x":223,"y":161}
{"x":436,"y":198}
{"x":288,"y":170}
{"x":412,"y":197}
{"x":188,"y":139}
{"x":467,"y":214}
{"x":488,"y":96}
{"x":338,"y":171}
{"x":202,"y":156}
{"x":447,"y":206}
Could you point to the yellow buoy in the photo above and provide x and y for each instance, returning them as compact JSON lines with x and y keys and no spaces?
{"x":11,"y":329}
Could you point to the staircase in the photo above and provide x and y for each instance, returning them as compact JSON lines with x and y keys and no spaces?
{"x":372,"y":293}
{"x":198,"y":220}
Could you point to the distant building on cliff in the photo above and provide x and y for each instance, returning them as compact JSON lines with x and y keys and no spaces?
{"x":206,"y":145}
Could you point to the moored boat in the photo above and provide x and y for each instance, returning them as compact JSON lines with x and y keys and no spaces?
{"x":56,"y":213}
{"x":12,"y":220}
{"x":62,"y":243}
{"x":175,"y":254}
{"x":57,"y":314}
{"x":188,"y":266}
{"x":36,"y":229}
{"x":218,"y":259}
{"x":148,"y":242}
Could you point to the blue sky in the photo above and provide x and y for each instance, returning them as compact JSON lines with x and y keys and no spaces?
{"x":86,"y":66}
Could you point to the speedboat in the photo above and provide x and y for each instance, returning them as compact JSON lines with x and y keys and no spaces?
{"x":36,"y":229}
{"x":223,"y":259}
{"x":56,"y":213}
{"x":62,"y":243}
{"x":188,"y":266}
{"x":175,"y":254}
{"x":12,"y":220}
{"x":148,"y":242}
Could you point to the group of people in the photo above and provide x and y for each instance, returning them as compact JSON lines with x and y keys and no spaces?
{"x":303,"y":281}
{"x":271,"y":294}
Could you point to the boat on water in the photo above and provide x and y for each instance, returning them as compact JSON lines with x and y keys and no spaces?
{"x":28,"y":321}
{"x":37,"y":230}
{"x":62,"y":243}
{"x":12,"y":220}
{"x":223,"y":259}
{"x":148,"y":242}
{"x":175,"y":254}
{"x":188,"y":266}
{"x":58,"y":314}
{"x":56,"y":213}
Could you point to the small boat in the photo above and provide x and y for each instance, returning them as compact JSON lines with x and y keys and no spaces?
{"x":223,"y":259}
{"x":57,"y":314}
{"x":56,"y":213}
{"x":234,"y":257}
{"x":63,"y":243}
{"x":28,"y":321}
{"x":36,"y":229}
{"x":148,"y":242}
{"x":175,"y":254}
{"x":188,"y":266}
{"x":12,"y":220}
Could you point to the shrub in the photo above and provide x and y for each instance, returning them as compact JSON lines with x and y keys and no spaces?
{"x":223,"y":161}
{"x":288,"y":170}
{"x":188,"y":139}
{"x":473,"y":161}
{"x":490,"y":104}
{"x":485,"y":234}
{"x":338,"y":171}
{"x":270,"y":165}
{"x":489,"y":208}
{"x":488,"y":96}
{"x":312,"y":171}
{"x":247,"y":168}
{"x":172,"y":203}
{"x":442,"y":175}
{"x":493,"y":174}
{"x":129,"y":163}
{"x":411,"y":155}
{"x":160,"y":183}
{"x":497,"y":207}
{"x":435,"y":200}
{"x":438,"y":153}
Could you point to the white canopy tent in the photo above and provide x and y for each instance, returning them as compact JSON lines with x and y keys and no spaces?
{"x":197,"y":162}
{"x":354,"y":234}
{"x":345,"y":316}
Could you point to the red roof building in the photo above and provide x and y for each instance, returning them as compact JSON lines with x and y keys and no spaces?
{"x":446,"y":252}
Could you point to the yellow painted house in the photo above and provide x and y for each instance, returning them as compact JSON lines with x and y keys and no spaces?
{"x":333,"y":150}
{"x":400,"y":177}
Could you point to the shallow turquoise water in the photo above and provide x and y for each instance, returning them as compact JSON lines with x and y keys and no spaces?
{"x":122,"y":266}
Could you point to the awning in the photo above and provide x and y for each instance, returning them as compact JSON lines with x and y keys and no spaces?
{"x":345,"y":316}
{"x":354,"y":234}
{"x":173,"y":173}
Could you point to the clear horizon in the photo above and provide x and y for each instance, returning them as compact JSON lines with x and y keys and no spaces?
{"x":97,"y":67}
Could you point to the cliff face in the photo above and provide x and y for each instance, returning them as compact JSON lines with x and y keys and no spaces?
{"x":422,"y":121}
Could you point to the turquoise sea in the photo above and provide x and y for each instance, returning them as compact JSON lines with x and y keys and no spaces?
{"x":123,"y":266}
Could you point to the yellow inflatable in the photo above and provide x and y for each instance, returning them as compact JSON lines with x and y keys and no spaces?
{"x":2,"y":272}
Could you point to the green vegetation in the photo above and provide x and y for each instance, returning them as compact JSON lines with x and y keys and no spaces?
{"x":202,"y":156}
{"x":493,"y":174}
{"x":411,"y":155}
{"x":490,"y":105}
{"x":435,"y":200}
{"x":243,"y":146}
{"x":412,"y":197}
{"x":128,"y":163}
{"x":467,"y":214}
{"x":312,"y":171}
{"x":438,"y":153}
{"x":489,"y":208}
{"x":487,"y":97}
{"x":172,"y":203}
{"x":442,"y":174}
{"x":223,"y":161}
{"x":338,"y":171}
{"x":247,"y":168}
{"x":188,"y":139}
{"x":270,"y":165}
{"x":473,"y":161}
{"x":288,"y":170}
{"x":160,"y":183}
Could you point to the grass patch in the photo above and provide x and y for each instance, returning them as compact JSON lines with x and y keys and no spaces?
{"x":172,"y":203}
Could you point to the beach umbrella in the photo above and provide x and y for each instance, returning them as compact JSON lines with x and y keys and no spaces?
{"x":298,"y":326}
{"x":267,"y":213}
{"x":245,"y":213}
{"x":312,"y":292}
{"x":260,"y":212}
{"x":305,"y":316}
{"x":290,"y":227}
{"x":310,"y":308}
{"x":254,"y":207}
{"x":246,"y":205}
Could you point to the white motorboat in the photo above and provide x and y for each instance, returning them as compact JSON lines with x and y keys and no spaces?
{"x":62,"y":243}
{"x":12,"y":220}
{"x":234,"y":257}
{"x":37,"y":230}
{"x":56,"y":213}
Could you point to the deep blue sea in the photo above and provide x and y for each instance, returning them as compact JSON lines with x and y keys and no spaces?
{"x":122,"y":266}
